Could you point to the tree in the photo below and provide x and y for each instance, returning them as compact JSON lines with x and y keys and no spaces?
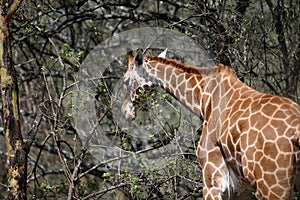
{"x":15,"y":146}
{"x":50,"y":39}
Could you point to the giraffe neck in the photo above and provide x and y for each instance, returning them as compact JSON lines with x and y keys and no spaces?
{"x":193,"y":87}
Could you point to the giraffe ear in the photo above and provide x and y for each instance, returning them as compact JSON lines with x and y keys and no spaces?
{"x":163,"y":54}
{"x":139,"y":58}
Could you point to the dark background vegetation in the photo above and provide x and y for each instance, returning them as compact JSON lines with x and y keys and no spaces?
{"x":260,"y":39}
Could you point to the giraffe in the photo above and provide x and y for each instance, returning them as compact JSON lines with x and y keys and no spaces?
{"x":249,"y":141}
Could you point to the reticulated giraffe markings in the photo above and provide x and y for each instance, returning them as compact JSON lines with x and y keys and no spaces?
{"x":250,"y":140}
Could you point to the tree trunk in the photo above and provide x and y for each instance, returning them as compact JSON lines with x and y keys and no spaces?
{"x":16,"y":151}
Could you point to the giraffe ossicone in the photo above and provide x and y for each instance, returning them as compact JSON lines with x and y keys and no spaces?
{"x":163,"y":54}
{"x":249,"y":141}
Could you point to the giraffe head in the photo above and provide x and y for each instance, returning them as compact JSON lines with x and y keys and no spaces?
{"x":137,"y":84}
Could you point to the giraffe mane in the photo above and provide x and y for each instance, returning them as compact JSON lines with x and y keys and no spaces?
{"x":191,"y":69}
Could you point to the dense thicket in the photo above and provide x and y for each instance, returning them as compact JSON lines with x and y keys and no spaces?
{"x":50,"y":41}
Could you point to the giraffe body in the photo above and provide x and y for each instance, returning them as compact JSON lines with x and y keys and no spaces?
{"x":250,"y":140}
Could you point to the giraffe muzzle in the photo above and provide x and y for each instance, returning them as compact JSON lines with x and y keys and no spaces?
{"x":130,"y":116}
{"x":128,"y":111}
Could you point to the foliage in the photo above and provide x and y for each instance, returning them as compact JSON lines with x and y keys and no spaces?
{"x":50,"y":40}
